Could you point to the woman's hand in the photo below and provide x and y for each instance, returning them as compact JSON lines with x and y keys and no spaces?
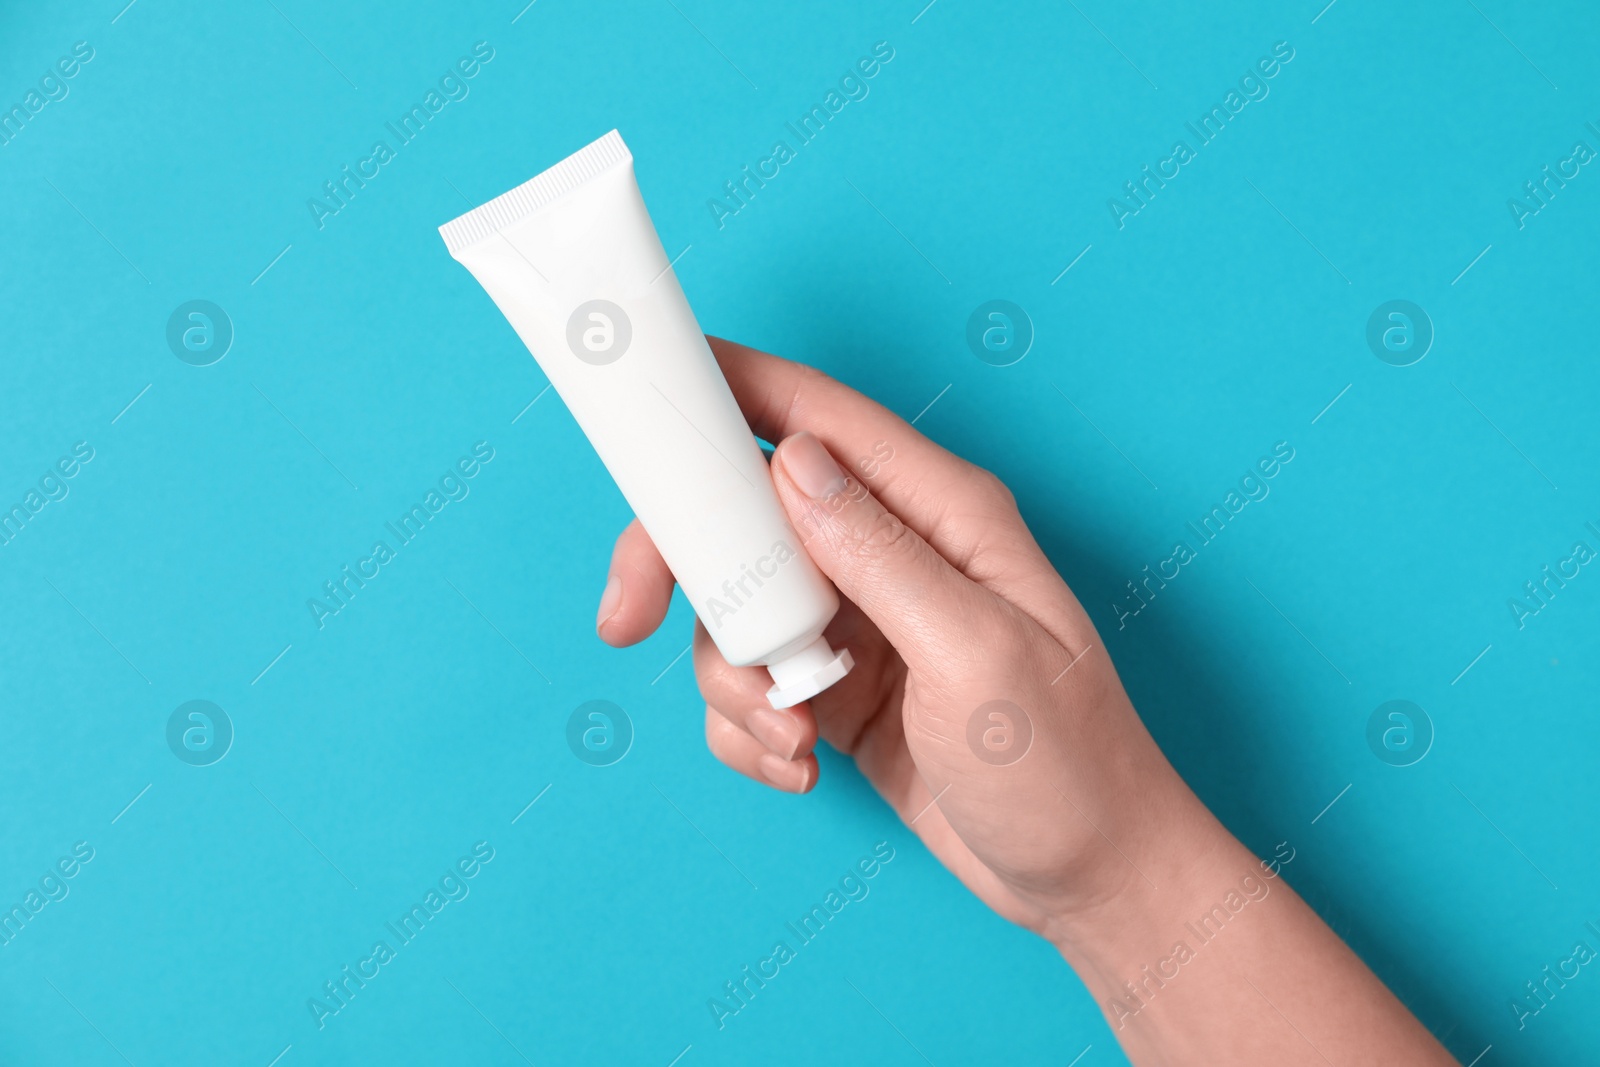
{"x":979,"y":680}
{"x":985,"y":711}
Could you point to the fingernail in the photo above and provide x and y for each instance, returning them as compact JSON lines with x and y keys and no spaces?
{"x":813,"y":470}
{"x":610,"y":600}
{"x":781,"y":774}
{"x":776,"y":730}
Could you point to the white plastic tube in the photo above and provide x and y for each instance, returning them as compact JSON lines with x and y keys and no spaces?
{"x":573,"y":261}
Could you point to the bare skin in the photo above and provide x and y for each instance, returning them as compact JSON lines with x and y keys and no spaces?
{"x":1090,"y":839}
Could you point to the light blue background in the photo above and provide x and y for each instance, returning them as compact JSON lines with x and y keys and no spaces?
{"x":412,"y":726}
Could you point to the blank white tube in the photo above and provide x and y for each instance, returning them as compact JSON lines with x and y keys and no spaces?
{"x":572,"y":260}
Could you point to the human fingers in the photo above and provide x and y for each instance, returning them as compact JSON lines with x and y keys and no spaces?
{"x":932,"y":614}
{"x":637,"y":592}
{"x":963,"y":511}
{"x":740,"y":695}
{"x":737,"y":749}
{"x":780,"y":397}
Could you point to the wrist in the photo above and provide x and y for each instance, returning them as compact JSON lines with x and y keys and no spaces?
{"x":1163,"y":863}
{"x":1127,"y":948}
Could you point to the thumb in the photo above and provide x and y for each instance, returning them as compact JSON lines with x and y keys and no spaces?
{"x":929,"y":611}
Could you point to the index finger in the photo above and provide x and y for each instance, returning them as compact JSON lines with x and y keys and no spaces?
{"x":780,"y":397}
{"x":965,"y":513}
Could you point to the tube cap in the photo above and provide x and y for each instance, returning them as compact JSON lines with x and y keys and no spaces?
{"x":807,"y":673}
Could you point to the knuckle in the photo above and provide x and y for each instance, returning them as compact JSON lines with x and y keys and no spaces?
{"x":993,"y":493}
{"x":809,"y":389}
{"x":719,"y":731}
{"x":812,"y":383}
{"x":811,"y":378}
{"x":720,"y":684}
{"x":882,"y":536}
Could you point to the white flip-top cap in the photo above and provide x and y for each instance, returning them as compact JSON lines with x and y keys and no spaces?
{"x":807,"y":673}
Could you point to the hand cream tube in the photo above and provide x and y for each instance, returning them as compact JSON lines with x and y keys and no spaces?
{"x":572,"y":259}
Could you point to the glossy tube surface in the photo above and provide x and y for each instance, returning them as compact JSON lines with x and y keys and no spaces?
{"x":572,"y":260}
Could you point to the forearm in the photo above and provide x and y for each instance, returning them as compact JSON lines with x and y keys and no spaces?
{"x":1207,"y":956}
